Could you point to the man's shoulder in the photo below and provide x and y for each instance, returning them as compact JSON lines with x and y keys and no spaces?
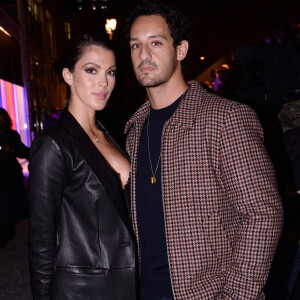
{"x":210,"y":104}
{"x":207,"y":99}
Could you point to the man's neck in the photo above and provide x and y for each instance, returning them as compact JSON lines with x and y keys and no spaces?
{"x":167,"y":93}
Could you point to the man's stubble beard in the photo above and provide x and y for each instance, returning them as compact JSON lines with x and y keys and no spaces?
{"x":161,"y":78}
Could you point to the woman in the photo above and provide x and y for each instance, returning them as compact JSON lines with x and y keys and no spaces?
{"x":80,"y":242}
{"x":12,"y":188}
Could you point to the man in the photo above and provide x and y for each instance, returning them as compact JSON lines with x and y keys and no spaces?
{"x":205,"y":207}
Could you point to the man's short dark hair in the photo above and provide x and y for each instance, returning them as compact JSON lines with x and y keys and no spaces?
{"x":178,"y":23}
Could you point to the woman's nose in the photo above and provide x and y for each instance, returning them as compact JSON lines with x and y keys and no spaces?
{"x":102,"y":80}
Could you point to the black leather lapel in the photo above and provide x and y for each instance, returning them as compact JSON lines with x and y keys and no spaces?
{"x":93,"y":157}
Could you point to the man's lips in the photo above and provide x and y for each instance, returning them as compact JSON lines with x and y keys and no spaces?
{"x":146,"y":67}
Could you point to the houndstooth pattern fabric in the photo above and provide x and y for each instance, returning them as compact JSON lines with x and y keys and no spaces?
{"x":223,"y":214}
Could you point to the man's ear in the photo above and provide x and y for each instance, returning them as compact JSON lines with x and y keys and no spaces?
{"x":67,"y":76}
{"x":182,"y":50}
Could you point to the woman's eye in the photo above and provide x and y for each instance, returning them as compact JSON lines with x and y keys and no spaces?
{"x":90,"y":70}
{"x":112,"y":72}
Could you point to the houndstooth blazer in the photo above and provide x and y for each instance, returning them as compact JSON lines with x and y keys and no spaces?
{"x":223,"y":214}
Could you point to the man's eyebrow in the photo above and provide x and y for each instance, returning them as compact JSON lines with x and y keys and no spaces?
{"x":157,"y":36}
{"x":150,"y":37}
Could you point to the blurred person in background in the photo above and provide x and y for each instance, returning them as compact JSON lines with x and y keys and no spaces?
{"x":12,"y":188}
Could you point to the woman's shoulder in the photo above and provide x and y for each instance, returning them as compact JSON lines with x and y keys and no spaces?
{"x":56,"y":137}
{"x":56,"y":132}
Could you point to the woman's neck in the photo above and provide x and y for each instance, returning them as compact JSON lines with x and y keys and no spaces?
{"x":86,"y":118}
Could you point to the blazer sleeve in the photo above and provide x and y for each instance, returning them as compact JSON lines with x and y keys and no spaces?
{"x":45,"y":192}
{"x":251,"y":187}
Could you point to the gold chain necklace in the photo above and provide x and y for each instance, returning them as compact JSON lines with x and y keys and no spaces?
{"x":153,"y":178}
{"x":96,"y":139}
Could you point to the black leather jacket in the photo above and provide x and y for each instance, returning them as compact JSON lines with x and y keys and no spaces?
{"x":80,"y":243}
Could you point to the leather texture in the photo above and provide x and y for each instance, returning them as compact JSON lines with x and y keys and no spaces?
{"x":80,"y":242}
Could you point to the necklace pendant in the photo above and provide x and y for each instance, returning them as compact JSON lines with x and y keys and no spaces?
{"x":96,"y":139}
{"x":153,"y":179}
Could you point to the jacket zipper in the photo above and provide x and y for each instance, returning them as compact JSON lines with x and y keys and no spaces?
{"x":131,"y":194}
{"x":162,"y":191}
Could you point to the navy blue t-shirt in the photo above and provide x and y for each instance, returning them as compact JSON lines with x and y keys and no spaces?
{"x":155,"y":276}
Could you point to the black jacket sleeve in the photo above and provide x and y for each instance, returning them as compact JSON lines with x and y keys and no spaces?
{"x":46,"y":183}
